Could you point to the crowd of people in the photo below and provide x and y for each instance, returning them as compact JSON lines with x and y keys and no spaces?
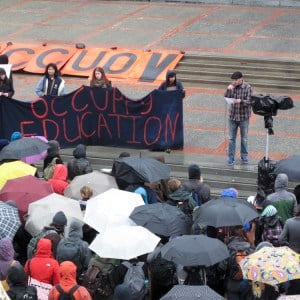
{"x":54,"y":262}
{"x":60,"y":261}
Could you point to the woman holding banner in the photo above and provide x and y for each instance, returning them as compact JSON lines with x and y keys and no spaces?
{"x":6,"y":85}
{"x":51,"y":83}
{"x":99,"y":79}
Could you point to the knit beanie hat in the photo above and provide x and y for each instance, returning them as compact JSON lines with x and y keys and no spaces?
{"x":263,"y":245}
{"x":59,"y":219}
{"x":269,"y":211}
{"x":194,"y":172}
{"x":16,"y":136}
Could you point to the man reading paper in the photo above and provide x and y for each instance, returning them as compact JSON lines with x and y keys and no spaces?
{"x":239,"y":115}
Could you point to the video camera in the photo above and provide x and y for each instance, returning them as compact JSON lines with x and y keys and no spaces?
{"x":267,"y":106}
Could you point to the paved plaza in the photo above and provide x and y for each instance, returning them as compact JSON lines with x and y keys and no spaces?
{"x":221,"y":30}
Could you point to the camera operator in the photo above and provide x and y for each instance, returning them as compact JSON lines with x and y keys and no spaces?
{"x":239,"y":115}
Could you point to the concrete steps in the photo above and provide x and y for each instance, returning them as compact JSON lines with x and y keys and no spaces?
{"x":218,"y":179}
{"x":265,"y":76}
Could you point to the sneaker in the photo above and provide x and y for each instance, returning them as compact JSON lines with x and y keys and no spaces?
{"x":244,"y":161}
{"x":230,"y":163}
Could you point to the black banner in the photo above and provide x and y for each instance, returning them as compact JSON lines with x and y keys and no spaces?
{"x":94,"y":116}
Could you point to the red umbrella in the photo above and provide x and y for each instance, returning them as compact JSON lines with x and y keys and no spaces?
{"x":25,"y":190}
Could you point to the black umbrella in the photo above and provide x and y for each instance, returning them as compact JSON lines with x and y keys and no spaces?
{"x":162,"y":219}
{"x":191,"y":292}
{"x":136,"y":169}
{"x":225,"y":212}
{"x":290,"y":166}
{"x":194,"y":250}
{"x":22,"y":148}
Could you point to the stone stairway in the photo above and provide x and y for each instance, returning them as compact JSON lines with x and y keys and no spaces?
{"x":265,"y":76}
{"x":218,"y":178}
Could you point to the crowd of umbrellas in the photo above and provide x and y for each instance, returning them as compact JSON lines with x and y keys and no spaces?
{"x":128,"y":228}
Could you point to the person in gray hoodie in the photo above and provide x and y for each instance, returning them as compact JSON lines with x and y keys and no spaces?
{"x":79,"y":165}
{"x":291,"y":233}
{"x":284,"y":201}
{"x":74,"y":249}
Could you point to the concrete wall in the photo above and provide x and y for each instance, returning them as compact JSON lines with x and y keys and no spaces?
{"x":280,"y":3}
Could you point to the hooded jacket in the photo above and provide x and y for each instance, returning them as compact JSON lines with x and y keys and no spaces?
{"x":181,"y":195}
{"x":52,"y":151}
{"x":43,"y":266}
{"x":165,"y":86}
{"x":79,"y":165}
{"x":6,"y":256}
{"x":17,"y":280}
{"x":59,"y":180}
{"x":291,"y":233}
{"x":67,"y":271}
{"x":75,"y":237}
{"x":284,"y":201}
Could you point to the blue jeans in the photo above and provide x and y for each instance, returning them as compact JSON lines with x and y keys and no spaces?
{"x":233,"y":127}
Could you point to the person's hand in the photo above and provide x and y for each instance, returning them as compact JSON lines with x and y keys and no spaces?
{"x":230,"y":87}
{"x":1,"y":93}
{"x":237,"y":101}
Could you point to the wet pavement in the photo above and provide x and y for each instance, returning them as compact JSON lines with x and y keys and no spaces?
{"x":221,"y":30}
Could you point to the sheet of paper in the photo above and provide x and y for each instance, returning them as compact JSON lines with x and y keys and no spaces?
{"x":105,"y":170}
{"x":229,"y":100}
{"x":7,"y":68}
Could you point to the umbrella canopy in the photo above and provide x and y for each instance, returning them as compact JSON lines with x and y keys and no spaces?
{"x":41,"y":212}
{"x":111,"y":208}
{"x":32,"y":159}
{"x":136,"y":169}
{"x":14,"y":169}
{"x":289,"y":166}
{"x":99,"y":182}
{"x":191,"y":292}
{"x":194,"y":250}
{"x":124,"y":242}
{"x":271,"y":265}
{"x":162,"y":219}
{"x":225,"y":212}
{"x":23,"y":147}
{"x":25,"y":190}
{"x":9,"y":220}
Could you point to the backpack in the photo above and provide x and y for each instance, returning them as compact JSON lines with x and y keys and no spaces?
{"x":97,"y":283}
{"x":31,"y":247}
{"x":135,"y":279}
{"x":196,"y":198}
{"x":237,"y":253}
{"x":163,"y":271}
{"x":185,"y":207}
{"x":71,"y":251}
{"x":30,"y":293}
{"x":66,"y":295}
{"x":49,"y":170}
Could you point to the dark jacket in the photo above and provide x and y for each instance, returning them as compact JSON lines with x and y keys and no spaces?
{"x":17,"y":280}
{"x":177,"y":85}
{"x":291,"y":233}
{"x":6,"y":86}
{"x":75,"y":237}
{"x":79,"y":165}
{"x":202,"y":189}
{"x":181,"y":195}
{"x":52,"y":151}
